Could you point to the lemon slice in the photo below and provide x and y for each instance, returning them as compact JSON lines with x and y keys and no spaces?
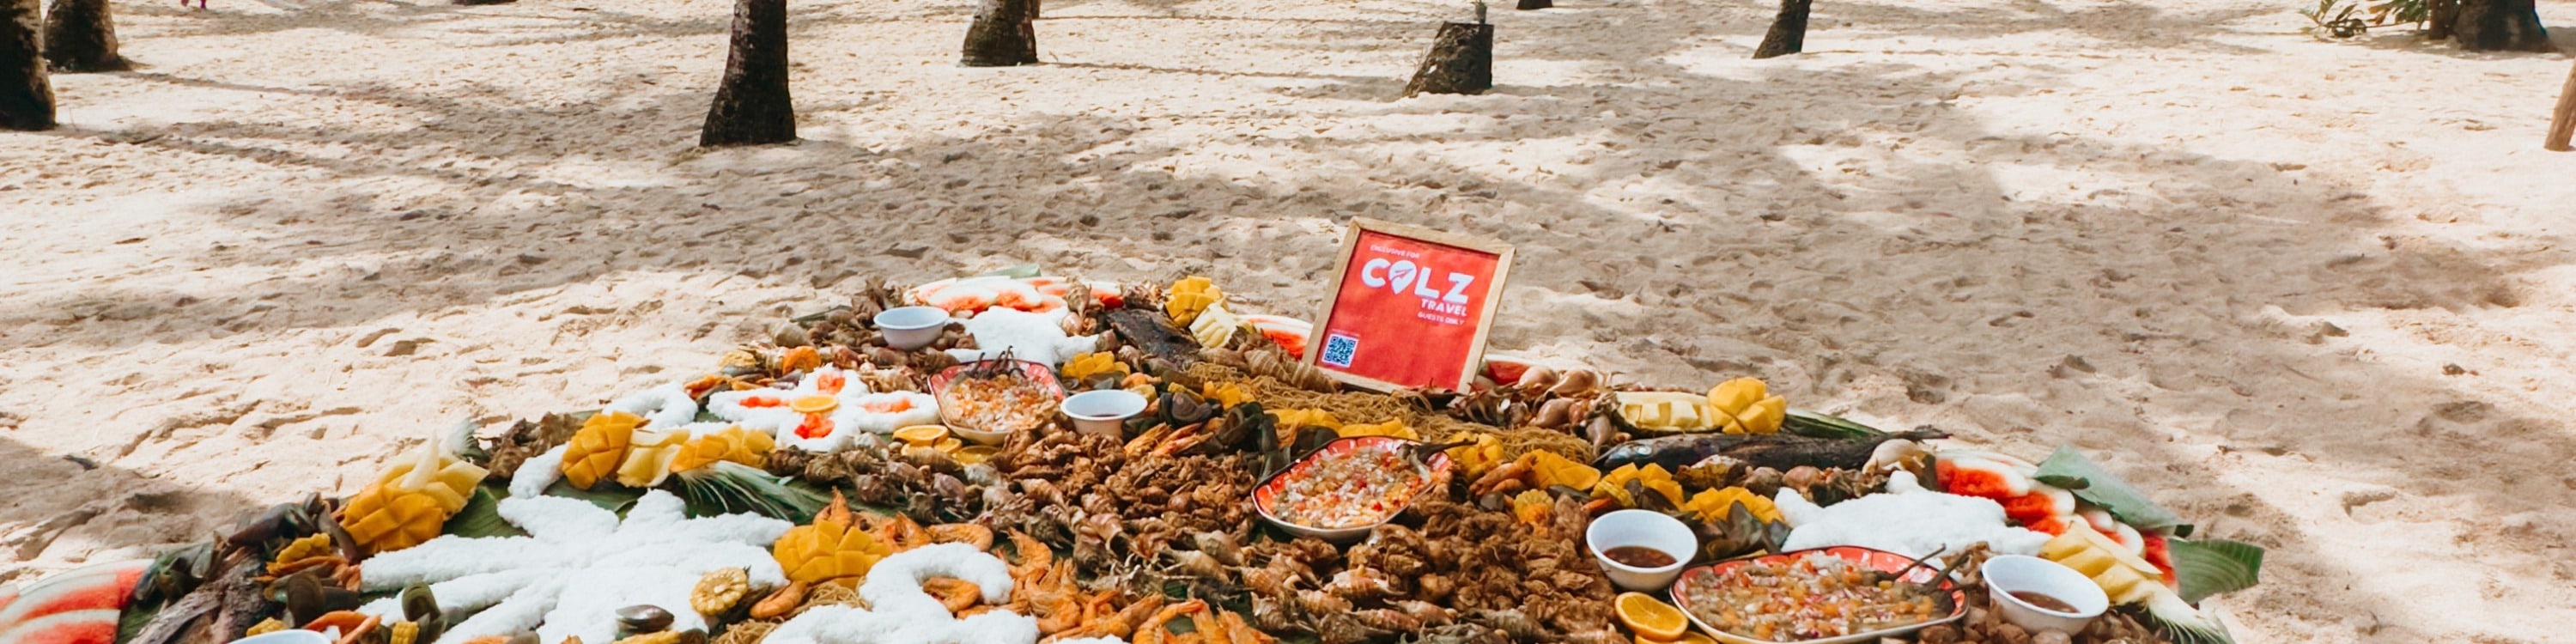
{"x":1687,"y":638}
{"x":948,"y":445}
{"x":1651,"y":618}
{"x":815,"y":405}
{"x":971,"y":455}
{"x":923,"y":435}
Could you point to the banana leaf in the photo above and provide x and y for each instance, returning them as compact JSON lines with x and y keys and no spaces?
{"x":481,"y":516}
{"x":1813,"y":424}
{"x":607,"y":495}
{"x":2069,"y":469}
{"x":136,"y":616}
{"x":1023,"y":271}
{"x":2210,"y":567}
{"x":727,"y":487}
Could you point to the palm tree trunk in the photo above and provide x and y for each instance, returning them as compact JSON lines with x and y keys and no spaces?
{"x":1461,"y":61}
{"x":752,"y":105}
{"x":2500,"y":25}
{"x":2562,"y":124}
{"x":2443,"y":14}
{"x":1788,"y":33}
{"x":26,"y":95}
{"x":80,"y":36}
{"x":1004,"y":34}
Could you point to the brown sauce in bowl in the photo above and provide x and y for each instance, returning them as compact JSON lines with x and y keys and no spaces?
{"x":1639,"y":556}
{"x":2043,"y":602}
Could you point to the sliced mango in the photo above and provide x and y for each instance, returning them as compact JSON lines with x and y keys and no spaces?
{"x":1746,"y":406}
{"x":1665,"y":410}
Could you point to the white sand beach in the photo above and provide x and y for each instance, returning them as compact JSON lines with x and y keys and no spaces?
{"x":2315,"y":294}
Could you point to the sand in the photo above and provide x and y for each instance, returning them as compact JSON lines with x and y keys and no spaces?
{"x":2313,"y":294}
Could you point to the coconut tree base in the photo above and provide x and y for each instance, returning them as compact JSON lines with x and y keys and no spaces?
{"x":80,"y":37}
{"x":752,"y":106}
{"x":1461,"y":61}
{"x":2500,"y":25}
{"x":1788,"y":33}
{"x":1004,"y":34}
{"x":26,"y":94}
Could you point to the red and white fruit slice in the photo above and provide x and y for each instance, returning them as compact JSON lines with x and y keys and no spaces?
{"x":1290,"y":333}
{"x":79,"y":606}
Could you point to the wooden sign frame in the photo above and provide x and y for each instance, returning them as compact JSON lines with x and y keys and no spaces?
{"x":1492,"y":297}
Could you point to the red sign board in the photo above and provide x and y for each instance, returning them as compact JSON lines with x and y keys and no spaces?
{"x":1411,"y":307}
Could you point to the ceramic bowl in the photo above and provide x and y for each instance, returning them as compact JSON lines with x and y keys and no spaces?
{"x":912,"y":327}
{"x":2010,"y":574}
{"x":1103,"y":412}
{"x":1037,"y":373}
{"x":1270,"y":489}
{"x":288,"y":636}
{"x":1874,"y":558}
{"x":1640,"y":528}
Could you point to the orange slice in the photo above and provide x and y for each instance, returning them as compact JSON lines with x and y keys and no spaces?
{"x":815,"y":405}
{"x":1651,"y":618}
{"x":948,"y":445}
{"x":921,"y":434}
{"x":975,"y":454}
{"x":1687,"y":638}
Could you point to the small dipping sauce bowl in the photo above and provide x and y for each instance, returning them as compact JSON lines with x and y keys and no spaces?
{"x":1645,"y":529}
{"x":1103,"y":412}
{"x":912,"y":327}
{"x":2010,"y":576}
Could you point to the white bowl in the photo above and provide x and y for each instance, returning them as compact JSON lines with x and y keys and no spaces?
{"x":288,"y":636}
{"x":912,"y":327}
{"x":1641,"y":528}
{"x":1103,"y":412}
{"x":2008,"y":574}
{"x":980,"y":437}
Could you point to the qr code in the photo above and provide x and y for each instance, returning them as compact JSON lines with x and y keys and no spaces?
{"x":1338,"y":349}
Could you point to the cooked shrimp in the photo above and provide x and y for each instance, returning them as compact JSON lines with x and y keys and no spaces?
{"x":967,"y":533}
{"x":1035,"y":558}
{"x":955,"y":594}
{"x":1156,"y":628}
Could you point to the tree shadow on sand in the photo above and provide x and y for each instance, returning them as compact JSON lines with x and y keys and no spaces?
{"x":60,"y":504}
{"x":478,"y":25}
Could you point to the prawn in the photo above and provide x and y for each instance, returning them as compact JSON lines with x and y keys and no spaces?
{"x":1154,"y":629}
{"x":903,"y":533}
{"x":1060,"y":612}
{"x":1182,"y":439}
{"x":1119,"y":624}
{"x":954,"y":594}
{"x":1036,"y":561}
{"x":1145,"y":442}
{"x":1241,"y":632}
{"x":967,"y":533}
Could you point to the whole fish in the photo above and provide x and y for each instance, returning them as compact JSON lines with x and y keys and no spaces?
{"x":1775,"y":451}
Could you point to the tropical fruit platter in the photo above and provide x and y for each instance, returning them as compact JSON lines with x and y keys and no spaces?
{"x":1016,"y":457}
